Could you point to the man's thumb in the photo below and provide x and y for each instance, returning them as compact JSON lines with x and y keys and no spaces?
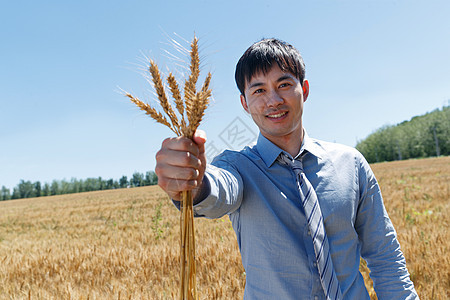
{"x":199,"y":137}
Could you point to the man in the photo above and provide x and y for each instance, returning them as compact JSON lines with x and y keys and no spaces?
{"x":304,"y":211}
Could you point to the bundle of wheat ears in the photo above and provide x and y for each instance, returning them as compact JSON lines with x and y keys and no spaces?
{"x":190,"y":113}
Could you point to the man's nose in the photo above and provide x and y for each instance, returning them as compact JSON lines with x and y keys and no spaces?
{"x":274,"y":99}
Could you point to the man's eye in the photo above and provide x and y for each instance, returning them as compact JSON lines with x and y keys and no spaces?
{"x":284,"y":85}
{"x":258,"y":91}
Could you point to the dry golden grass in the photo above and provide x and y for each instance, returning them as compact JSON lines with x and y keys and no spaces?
{"x":109,"y":245}
{"x":417,"y":197}
{"x":124,"y":244}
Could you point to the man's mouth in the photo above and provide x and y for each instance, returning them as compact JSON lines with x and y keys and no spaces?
{"x":278,"y":115}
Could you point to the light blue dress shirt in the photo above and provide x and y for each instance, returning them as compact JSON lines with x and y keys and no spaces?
{"x":260,"y":196}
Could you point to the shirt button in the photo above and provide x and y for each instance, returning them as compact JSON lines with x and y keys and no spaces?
{"x":309,"y":232}
{"x":315,"y":264}
{"x":316,"y":297}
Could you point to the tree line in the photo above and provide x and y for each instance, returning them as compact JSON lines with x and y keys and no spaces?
{"x":423,"y":136}
{"x":28,"y":189}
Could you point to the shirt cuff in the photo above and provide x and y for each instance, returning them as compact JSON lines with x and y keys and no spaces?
{"x":203,"y":193}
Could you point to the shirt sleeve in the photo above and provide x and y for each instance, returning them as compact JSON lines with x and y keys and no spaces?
{"x":379,"y":244}
{"x":225,"y":190}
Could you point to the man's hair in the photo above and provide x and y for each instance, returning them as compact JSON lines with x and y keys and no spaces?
{"x":261,"y":57}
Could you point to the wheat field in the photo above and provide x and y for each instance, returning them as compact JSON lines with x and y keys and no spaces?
{"x":124,"y":244}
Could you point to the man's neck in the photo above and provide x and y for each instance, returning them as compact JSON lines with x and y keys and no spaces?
{"x":290,"y":143}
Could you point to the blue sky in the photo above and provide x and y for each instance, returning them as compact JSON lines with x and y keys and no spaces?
{"x":63,"y":64}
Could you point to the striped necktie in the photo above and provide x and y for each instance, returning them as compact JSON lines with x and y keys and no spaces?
{"x":314,"y":217}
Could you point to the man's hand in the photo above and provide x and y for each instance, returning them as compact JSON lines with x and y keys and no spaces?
{"x":180,"y":164}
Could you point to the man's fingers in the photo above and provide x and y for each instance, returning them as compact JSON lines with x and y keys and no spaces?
{"x":175,"y":186}
{"x":180,"y":144}
{"x":177,"y":158}
{"x":174,"y":196}
{"x":180,"y":173}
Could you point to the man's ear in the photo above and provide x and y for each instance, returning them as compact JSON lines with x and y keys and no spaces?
{"x":244,"y":103}
{"x":305,"y":86}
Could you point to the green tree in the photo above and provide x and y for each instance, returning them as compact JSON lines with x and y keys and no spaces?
{"x":76,"y":186}
{"x":64,"y":187}
{"x":151,"y":178}
{"x":123,"y":182}
{"x":15,"y":193}
{"x":90,"y":184}
{"x":137,"y":179}
{"x":37,"y":189}
{"x":101,"y":184}
{"x":109,"y":184}
{"x":422,"y":136}
{"x":116,"y":184}
{"x":54,"y":188}
{"x":4,"y":194}
{"x":26,"y":189}
{"x":46,"y":190}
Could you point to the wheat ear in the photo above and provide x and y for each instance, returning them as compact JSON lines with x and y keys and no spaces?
{"x":157,"y":116}
{"x":159,"y":88}
{"x":179,"y":104}
{"x":190,"y":84}
{"x":193,"y":108}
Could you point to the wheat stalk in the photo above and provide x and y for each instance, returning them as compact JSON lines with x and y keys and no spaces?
{"x":191,"y":112}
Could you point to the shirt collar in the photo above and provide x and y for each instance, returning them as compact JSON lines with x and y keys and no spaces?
{"x":269,"y":151}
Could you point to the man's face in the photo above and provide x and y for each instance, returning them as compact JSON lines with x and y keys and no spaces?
{"x":275,"y":101}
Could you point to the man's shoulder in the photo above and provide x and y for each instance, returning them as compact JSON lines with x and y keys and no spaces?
{"x":333,"y":150}
{"x":331,"y":146}
{"x":235,"y":156}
